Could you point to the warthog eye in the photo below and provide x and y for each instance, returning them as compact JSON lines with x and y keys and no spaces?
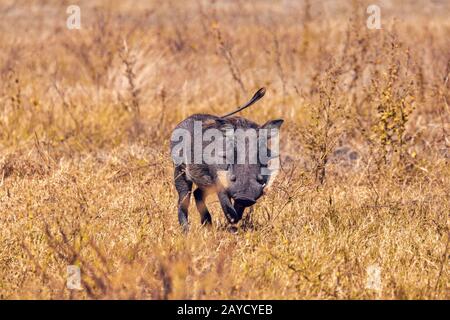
{"x":233,"y":177}
{"x":260,"y":178}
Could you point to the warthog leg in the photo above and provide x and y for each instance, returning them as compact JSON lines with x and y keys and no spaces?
{"x":199,"y":196}
{"x":227,"y":207}
{"x":184,"y":188}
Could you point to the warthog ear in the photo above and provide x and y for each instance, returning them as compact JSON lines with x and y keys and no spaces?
{"x":273,"y":128}
{"x":273,"y":124}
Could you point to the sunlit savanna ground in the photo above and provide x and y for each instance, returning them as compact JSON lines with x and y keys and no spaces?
{"x":86,"y":177}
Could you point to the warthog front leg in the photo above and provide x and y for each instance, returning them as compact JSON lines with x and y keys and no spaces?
{"x":227,"y":207}
{"x":239,"y":210}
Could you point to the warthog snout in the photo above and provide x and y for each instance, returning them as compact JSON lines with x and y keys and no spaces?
{"x":243,"y":201}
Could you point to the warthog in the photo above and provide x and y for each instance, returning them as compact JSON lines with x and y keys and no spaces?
{"x":226,"y":155}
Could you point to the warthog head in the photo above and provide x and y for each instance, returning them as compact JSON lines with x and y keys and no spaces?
{"x":247,"y":169}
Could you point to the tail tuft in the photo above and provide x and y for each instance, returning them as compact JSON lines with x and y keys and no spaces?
{"x":258,"y":95}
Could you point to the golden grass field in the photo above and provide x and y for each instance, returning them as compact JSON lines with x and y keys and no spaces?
{"x":86,"y":177}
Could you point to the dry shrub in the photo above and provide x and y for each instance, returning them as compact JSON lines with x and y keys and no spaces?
{"x":86,"y":178}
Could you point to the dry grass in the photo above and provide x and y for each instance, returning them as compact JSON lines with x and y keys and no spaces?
{"x":86,"y":178}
